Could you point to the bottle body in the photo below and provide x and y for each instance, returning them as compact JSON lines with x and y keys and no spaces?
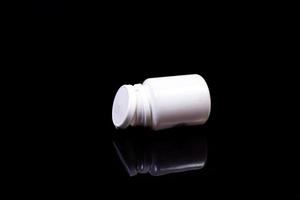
{"x":178,"y":100}
{"x":164,"y":102}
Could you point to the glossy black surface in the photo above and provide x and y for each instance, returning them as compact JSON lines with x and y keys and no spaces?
{"x":161,"y":153}
{"x":78,"y":62}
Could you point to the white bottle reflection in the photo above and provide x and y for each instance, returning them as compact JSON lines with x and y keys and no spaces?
{"x":161,"y":154}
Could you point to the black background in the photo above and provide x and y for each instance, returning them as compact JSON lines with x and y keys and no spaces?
{"x":82,"y":55}
{"x":48,"y":8}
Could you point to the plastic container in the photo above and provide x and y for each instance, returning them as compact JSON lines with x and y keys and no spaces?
{"x":163,"y":102}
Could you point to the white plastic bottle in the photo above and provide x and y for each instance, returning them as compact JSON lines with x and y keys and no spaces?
{"x":163,"y":102}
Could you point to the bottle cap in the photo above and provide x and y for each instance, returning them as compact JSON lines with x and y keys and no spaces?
{"x":124,"y":106}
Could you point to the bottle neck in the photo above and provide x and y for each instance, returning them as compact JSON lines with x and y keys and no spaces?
{"x":142,"y":115}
